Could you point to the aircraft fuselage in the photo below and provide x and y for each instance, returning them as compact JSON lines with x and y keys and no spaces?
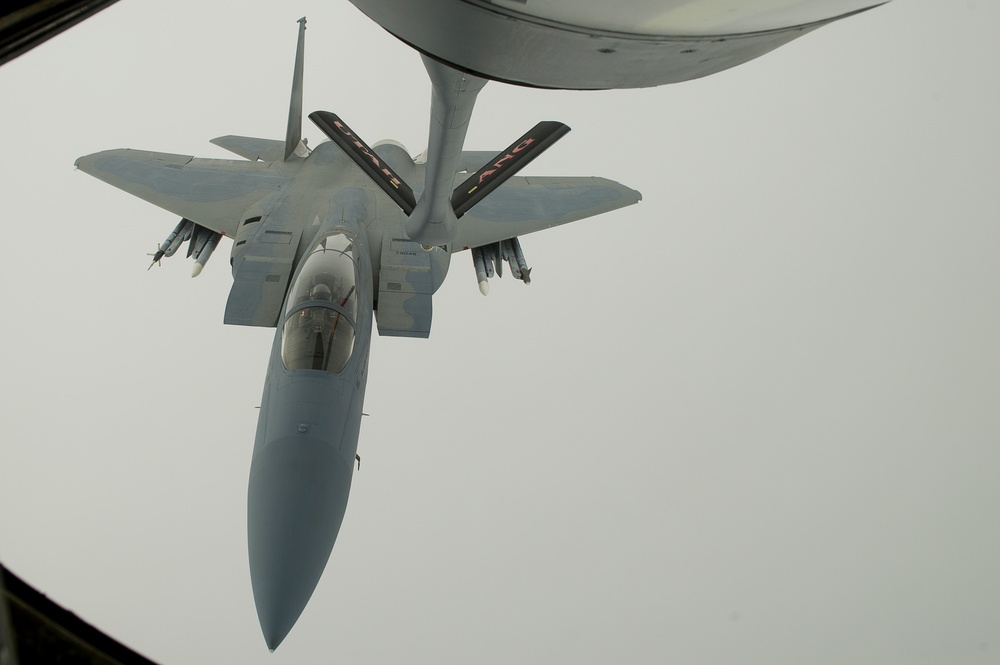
{"x":310,"y":416}
{"x":340,"y":237}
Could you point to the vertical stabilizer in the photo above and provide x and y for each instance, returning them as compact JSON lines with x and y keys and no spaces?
{"x":293,"y":137}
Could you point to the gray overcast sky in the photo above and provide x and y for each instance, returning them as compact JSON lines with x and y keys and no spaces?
{"x":753,"y":419}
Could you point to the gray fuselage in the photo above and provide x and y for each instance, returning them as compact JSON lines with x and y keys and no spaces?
{"x":311,"y":409}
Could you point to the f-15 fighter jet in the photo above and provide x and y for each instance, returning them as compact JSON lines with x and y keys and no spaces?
{"x":322,"y":239}
{"x":325,"y":238}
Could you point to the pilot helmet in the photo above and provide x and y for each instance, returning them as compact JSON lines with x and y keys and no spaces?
{"x":320,"y":292}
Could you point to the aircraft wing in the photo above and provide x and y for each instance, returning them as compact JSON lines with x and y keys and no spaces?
{"x":527,"y":204}
{"x":211,"y":192}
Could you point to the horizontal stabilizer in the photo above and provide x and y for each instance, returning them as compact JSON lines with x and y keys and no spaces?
{"x":365,"y":157}
{"x":506,"y":164}
{"x":265,"y":150}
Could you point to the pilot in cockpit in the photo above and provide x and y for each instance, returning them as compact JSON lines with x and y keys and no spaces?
{"x":320,"y":292}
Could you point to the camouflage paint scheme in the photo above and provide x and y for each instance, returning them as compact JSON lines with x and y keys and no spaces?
{"x":277,"y":206}
{"x":384,"y":228}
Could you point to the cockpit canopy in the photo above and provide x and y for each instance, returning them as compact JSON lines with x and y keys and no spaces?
{"x":322,"y":307}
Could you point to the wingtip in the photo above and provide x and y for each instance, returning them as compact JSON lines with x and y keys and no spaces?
{"x":82,"y":160}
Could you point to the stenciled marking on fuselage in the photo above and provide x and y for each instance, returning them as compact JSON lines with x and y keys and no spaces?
{"x":500,"y":163}
{"x":393,"y":180}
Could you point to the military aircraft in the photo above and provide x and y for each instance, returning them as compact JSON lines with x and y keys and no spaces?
{"x":324,"y":238}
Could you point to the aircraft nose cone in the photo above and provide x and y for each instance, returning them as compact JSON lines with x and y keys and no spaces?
{"x":295,"y":505}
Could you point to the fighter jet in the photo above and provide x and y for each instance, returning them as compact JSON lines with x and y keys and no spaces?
{"x":322,"y":239}
{"x":325,"y":238}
